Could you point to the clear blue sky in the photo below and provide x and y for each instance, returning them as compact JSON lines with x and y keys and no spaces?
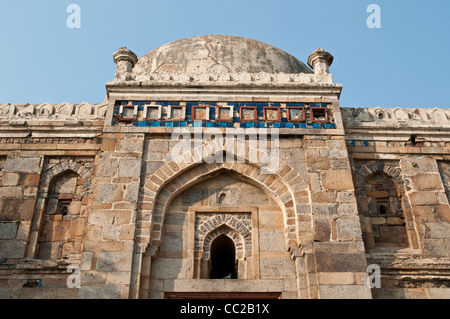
{"x":403,"y":64}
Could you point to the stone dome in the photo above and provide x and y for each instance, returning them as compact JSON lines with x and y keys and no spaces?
{"x":218,"y":54}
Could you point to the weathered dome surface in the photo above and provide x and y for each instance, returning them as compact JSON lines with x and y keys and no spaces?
{"x":218,"y":54}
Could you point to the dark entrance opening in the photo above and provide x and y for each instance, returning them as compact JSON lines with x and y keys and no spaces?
{"x":223,"y":258}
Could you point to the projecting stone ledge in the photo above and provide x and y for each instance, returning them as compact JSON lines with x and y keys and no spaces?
{"x":230,"y":78}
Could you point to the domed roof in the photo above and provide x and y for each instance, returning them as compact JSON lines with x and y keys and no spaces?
{"x":218,"y":54}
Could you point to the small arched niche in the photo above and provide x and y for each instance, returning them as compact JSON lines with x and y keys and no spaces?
{"x":387,"y":226}
{"x":58,"y":239}
{"x":223,"y":263}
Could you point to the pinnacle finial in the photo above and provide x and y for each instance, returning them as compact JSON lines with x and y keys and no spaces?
{"x":320,"y":61}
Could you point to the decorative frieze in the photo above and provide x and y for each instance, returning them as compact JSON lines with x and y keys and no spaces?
{"x":379,"y":116}
{"x":83,"y":111}
{"x":55,"y":140}
{"x":224,"y":114}
{"x":229,"y":78}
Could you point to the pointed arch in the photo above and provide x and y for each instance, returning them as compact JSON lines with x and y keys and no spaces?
{"x":286,"y":186}
{"x":85,"y":174}
{"x":388,"y":198}
{"x":230,"y":233}
{"x":227,"y":225}
{"x":223,"y":260}
{"x":65,"y":166}
{"x":389,"y":169}
{"x":248,"y":173}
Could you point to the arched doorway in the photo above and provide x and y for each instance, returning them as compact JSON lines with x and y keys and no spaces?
{"x":223,"y":258}
{"x":193,"y":214}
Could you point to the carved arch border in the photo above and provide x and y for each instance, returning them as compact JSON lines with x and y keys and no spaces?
{"x":386,"y":167}
{"x":248,"y":173}
{"x":223,"y":224}
{"x":287,"y":185}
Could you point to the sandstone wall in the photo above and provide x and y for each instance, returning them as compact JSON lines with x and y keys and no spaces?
{"x":410,"y":149}
{"x":140,"y":223}
{"x":46,"y":170}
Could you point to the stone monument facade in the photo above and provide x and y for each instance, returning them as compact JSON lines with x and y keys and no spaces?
{"x":221,"y":166}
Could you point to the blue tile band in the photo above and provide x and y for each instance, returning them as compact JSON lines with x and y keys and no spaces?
{"x":214,"y":122}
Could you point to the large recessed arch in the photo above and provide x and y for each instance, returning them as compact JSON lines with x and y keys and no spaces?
{"x":286,"y":186}
{"x":248,"y":173}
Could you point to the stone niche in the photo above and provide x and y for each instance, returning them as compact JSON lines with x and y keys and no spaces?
{"x":379,"y":190}
{"x":65,"y":189}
